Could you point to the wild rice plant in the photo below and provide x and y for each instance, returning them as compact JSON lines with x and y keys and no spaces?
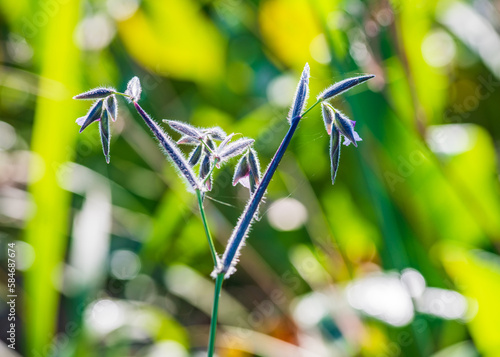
{"x":212,"y":148}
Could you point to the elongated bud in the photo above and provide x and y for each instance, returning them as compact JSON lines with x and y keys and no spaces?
{"x":301,"y":94}
{"x":93,"y":115}
{"x":346,"y":128}
{"x":328,"y":114}
{"x":215,"y":133}
{"x":334,"y":153}
{"x":171,"y":150}
{"x":342,"y":86}
{"x":235,"y":149}
{"x":254,"y":164}
{"x":105,"y":134}
{"x":241,"y":172}
{"x":112,"y":107}
{"x":96,"y":93}
{"x":184,"y":129}
{"x":134,"y":89}
{"x":195,"y":155}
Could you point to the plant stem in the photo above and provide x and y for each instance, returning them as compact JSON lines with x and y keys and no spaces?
{"x":247,"y":217}
{"x":207,"y":231}
{"x":213,"y":324}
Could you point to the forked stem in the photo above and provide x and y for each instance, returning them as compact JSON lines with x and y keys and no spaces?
{"x":207,"y":230}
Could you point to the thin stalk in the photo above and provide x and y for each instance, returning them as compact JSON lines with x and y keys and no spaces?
{"x":213,"y":324}
{"x":210,"y":172}
{"x":249,"y":212}
{"x":207,"y":231}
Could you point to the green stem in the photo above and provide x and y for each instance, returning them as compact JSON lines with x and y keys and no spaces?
{"x":207,"y":231}
{"x":213,"y":324}
{"x":312,"y":106}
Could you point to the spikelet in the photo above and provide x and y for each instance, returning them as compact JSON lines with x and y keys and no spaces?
{"x":342,"y":86}
{"x":171,"y":150}
{"x":95,"y":93}
{"x":301,"y":94}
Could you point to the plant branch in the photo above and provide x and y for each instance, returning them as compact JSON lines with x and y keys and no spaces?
{"x":207,"y":231}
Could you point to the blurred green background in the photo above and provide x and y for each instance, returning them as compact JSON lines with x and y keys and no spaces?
{"x":399,"y":258}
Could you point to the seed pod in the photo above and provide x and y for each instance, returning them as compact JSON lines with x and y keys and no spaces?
{"x":301,"y":94}
{"x":195,"y":155}
{"x":342,"y":86}
{"x":93,"y":115}
{"x":134,"y":90}
{"x":184,"y":128}
{"x":105,"y":134}
{"x":95,"y":93}
{"x":346,"y":128}
{"x":328,"y":114}
{"x":334,"y":152}
{"x":112,"y":107}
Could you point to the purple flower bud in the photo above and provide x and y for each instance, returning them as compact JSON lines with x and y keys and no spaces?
{"x":301,"y":94}
{"x":134,"y":89}
{"x":346,"y":128}
{"x":195,"y":155}
{"x":112,"y":107}
{"x":105,"y":134}
{"x":234,"y":149}
{"x":215,"y":133}
{"x":334,"y":152}
{"x":342,"y":86}
{"x":328,"y":114}
{"x":93,"y":115}
{"x":184,"y":129}
{"x":96,"y":93}
{"x":241,"y":172}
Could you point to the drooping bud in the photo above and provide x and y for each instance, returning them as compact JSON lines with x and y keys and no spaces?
{"x":254,"y":164}
{"x":112,"y":107}
{"x":342,"y":86}
{"x":346,"y":128}
{"x":195,"y":155}
{"x":328,"y":114}
{"x":188,"y":140}
{"x":105,"y":133}
{"x":241,"y":172}
{"x":204,"y":171}
{"x":93,"y":115}
{"x":334,"y":152}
